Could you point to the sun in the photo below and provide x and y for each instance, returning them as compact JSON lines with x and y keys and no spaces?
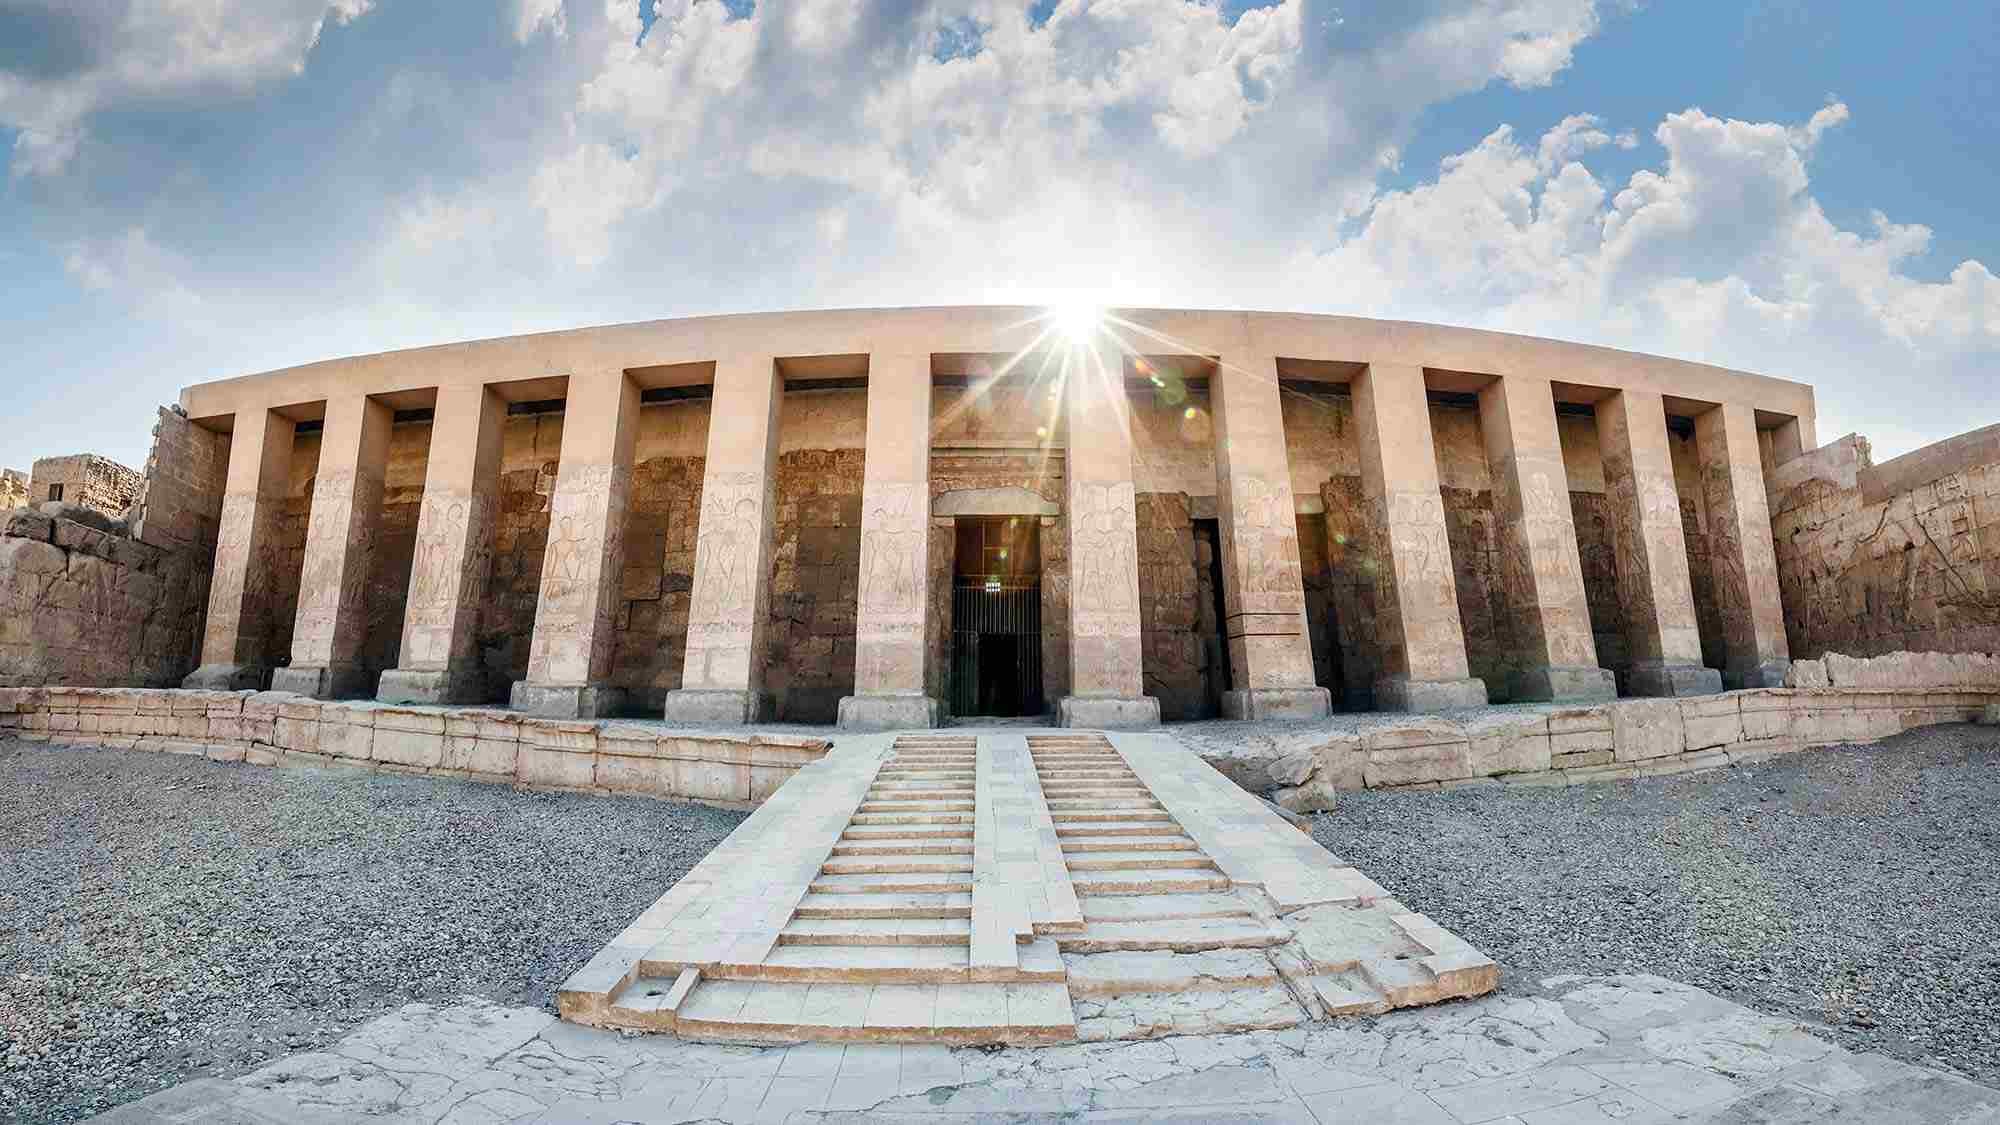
{"x":1077,"y":323}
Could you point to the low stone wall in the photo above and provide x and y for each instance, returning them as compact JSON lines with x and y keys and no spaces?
{"x":278,"y":728}
{"x":1837,"y":700}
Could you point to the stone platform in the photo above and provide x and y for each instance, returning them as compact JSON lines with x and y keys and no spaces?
{"x":1015,"y":887}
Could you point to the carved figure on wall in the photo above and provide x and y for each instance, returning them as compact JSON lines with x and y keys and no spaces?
{"x":563,"y":572}
{"x":726,"y":557}
{"x":444,"y":530}
{"x":892,"y":551}
{"x":1104,"y":572}
{"x":1265,"y":528}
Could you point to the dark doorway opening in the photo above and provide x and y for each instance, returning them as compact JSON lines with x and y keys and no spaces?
{"x":1212,"y":615}
{"x":996,"y":617}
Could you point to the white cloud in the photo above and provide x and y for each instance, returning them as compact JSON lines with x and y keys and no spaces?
{"x":1723,"y":254}
{"x":532,"y":16}
{"x":97,"y":54}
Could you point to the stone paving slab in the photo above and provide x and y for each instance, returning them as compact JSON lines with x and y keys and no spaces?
{"x":1631,"y":1049}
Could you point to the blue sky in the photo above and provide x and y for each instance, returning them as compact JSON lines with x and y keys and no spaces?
{"x":202,"y":188}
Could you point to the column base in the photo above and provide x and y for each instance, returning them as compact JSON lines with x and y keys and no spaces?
{"x":714,"y":706}
{"x":567,"y":701}
{"x":409,"y":685}
{"x":1550,"y":683}
{"x":1108,"y":712}
{"x":1770,"y":673}
{"x":884,"y":710}
{"x":1399,"y":693}
{"x":227,"y":677}
{"x":330,"y":681}
{"x":1657,"y":679}
{"x":1278,"y":703}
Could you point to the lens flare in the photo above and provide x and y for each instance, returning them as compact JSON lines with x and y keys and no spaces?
{"x":1078,"y":324}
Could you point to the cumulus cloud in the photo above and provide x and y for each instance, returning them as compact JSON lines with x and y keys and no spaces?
{"x":1722,"y":253}
{"x":95,"y":54}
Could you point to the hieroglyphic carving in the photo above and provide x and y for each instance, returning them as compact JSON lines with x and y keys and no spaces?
{"x":447,"y":576}
{"x":1104,"y":575}
{"x":1266,"y":532}
{"x":893,"y":555}
{"x":339,"y":555}
{"x":240,"y":583}
{"x":727,"y":551}
{"x":573,"y":623}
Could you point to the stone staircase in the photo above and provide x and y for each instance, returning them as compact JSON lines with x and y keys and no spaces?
{"x":1015,"y":888}
{"x":1168,"y":946}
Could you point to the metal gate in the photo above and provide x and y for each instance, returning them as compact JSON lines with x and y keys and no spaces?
{"x":996,"y":649}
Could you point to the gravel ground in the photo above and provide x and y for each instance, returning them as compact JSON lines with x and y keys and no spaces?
{"x":1857,"y":888}
{"x":165,"y":918}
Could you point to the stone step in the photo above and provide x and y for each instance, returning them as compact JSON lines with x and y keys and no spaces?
{"x":912,"y":818}
{"x":924,"y":904}
{"x":1117,"y":843}
{"x":1187,"y":935}
{"x":898,"y":865}
{"x":1133,"y":859}
{"x":1145,"y":881}
{"x":1087,"y":828}
{"x":905,"y":845}
{"x":1158,"y":907}
{"x":921,"y":788}
{"x":957,"y":1014}
{"x":1058,"y":777}
{"x":1150,"y":1015}
{"x":1086,"y":804}
{"x":854,"y":964}
{"x":876,"y":931}
{"x":875,"y":806}
{"x":1349,"y":994}
{"x":908,"y":832}
{"x":1096,"y":818}
{"x":1113,"y":974}
{"x":892,"y":884}
{"x":1072,"y":792}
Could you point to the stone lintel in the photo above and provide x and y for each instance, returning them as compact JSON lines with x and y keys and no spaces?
{"x":567,"y":701}
{"x":1400,"y":693}
{"x":1278,"y":703}
{"x":1655,"y":678}
{"x":1108,"y":712}
{"x":890,"y":711}
{"x":1549,"y":683}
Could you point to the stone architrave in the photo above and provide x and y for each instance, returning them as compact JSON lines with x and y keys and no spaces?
{"x":454,"y":554}
{"x":233,"y":655}
{"x":891,"y":612}
{"x":569,"y":660}
{"x":723,"y":679}
{"x":341,"y":533}
{"x":1653,"y":586}
{"x":1555,"y":655}
{"x":1107,"y":689}
{"x":1424,"y":666}
{"x":1270,"y":650}
{"x":1739,"y":537}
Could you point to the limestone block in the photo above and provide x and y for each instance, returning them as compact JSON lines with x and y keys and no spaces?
{"x":1318,"y":795}
{"x":400,"y":741}
{"x":710,"y":780}
{"x":1500,"y":744}
{"x":1990,"y":715}
{"x":1807,"y":674}
{"x":574,"y":737}
{"x":295,"y":734}
{"x":347,"y":733}
{"x":1643,"y":729}
{"x":481,"y":743}
{"x":547,"y":767}
{"x":1711,"y":721}
{"x":1411,"y":753}
{"x":1579,"y":730}
{"x":1768,"y":713}
{"x":622,"y":773}
{"x":631,"y":742}
{"x":1580,"y":759}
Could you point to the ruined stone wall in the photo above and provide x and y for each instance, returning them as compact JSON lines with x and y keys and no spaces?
{"x":1173,"y":660}
{"x":88,"y":480}
{"x":1899,"y":556}
{"x":815,"y":583}
{"x":90,"y":600}
{"x":13,"y":489}
{"x":530,"y":450}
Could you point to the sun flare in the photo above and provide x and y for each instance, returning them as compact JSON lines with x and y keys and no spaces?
{"x":1077,"y":323}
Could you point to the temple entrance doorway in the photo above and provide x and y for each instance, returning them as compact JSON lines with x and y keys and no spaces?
{"x":996,"y":617}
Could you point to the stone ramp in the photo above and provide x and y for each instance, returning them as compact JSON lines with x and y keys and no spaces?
{"x":1015,"y":887}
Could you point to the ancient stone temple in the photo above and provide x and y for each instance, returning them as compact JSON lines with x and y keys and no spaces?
{"x":882,"y":517}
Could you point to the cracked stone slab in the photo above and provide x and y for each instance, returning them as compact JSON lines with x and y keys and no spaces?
{"x":1592,"y":1049}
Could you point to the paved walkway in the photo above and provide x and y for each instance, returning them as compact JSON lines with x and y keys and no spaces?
{"x":1015,"y":887}
{"x":1632,"y":1050}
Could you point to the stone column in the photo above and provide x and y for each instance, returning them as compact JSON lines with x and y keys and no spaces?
{"x":569,"y":660}
{"x":454,"y":556}
{"x":233,"y":655}
{"x":340,"y":552}
{"x":1270,"y":651}
{"x":1416,"y":597}
{"x":1653,"y":586}
{"x":1739,"y":537}
{"x":1107,"y":689}
{"x":1554,"y":655}
{"x":723,"y":679}
{"x":891,"y":615}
